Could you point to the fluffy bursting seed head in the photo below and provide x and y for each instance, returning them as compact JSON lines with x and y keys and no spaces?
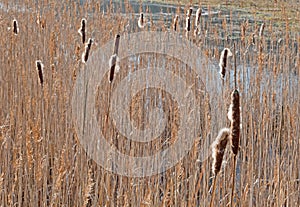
{"x":40,"y":71}
{"x":85,"y":55}
{"x":141,"y":22}
{"x":235,"y":122}
{"x":218,"y":149}
{"x":223,"y":61}
{"x":15,"y":27}
{"x":81,"y":30}
{"x":175,"y":23}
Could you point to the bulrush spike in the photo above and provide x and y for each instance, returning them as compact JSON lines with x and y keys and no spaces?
{"x":40,"y":71}
{"x":235,"y":121}
{"x":141,"y":22}
{"x":189,"y":12}
{"x":218,"y":149}
{"x":85,"y":55}
{"x":114,"y":59}
{"x":15,"y":27}
{"x":261,"y":30}
{"x":175,"y":22}
{"x":81,"y":30}
{"x":198,"y":17}
{"x":223,"y":61}
{"x":187,"y":26}
{"x":234,"y":134}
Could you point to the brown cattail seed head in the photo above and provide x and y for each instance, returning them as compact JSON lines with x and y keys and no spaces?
{"x":85,"y":55}
{"x":187,"y":24}
{"x":141,"y":22}
{"x":40,"y":71}
{"x":15,"y":27}
{"x":261,"y":30}
{"x":223,"y":61}
{"x":81,"y":30}
{"x":175,"y":23}
{"x":189,"y":12}
{"x":218,"y":149}
{"x":114,"y":59}
{"x":198,"y":16}
{"x":235,"y":123}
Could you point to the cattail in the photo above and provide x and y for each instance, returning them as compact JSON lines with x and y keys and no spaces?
{"x":40,"y":71}
{"x":253,"y":38}
{"x":235,"y":121}
{"x":175,"y":23}
{"x":261,"y":30}
{"x":223,"y":61}
{"x":15,"y":27}
{"x":218,"y":149}
{"x":234,"y":133}
{"x":114,"y":59}
{"x":81,"y":30}
{"x":85,"y":55}
{"x":141,"y":22}
{"x":189,"y":12}
{"x":187,"y":24}
{"x":198,"y":16}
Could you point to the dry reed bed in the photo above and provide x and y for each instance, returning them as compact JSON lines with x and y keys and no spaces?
{"x":42,"y":162}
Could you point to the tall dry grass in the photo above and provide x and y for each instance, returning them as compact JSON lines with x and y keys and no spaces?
{"x":42,"y":162}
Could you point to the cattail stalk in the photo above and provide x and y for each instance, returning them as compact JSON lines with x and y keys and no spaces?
{"x":114,"y":58}
{"x":175,"y":23}
{"x":223,"y":61}
{"x":218,"y":150}
{"x":85,"y":55}
{"x":40,"y":71}
{"x":141,"y":22}
{"x":81,"y":30}
{"x":15,"y":27}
